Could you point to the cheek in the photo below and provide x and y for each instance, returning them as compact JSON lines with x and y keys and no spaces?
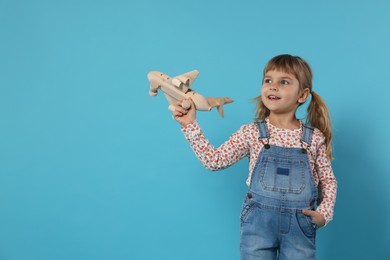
{"x":262,"y":91}
{"x":263,"y":99}
{"x":262,"y":96}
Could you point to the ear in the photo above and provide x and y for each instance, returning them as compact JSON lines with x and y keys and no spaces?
{"x":303,"y":96}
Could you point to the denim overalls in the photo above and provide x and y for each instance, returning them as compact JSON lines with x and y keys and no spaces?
{"x":272,"y":223}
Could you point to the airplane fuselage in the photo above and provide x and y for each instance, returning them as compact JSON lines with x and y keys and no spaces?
{"x":176,"y":92}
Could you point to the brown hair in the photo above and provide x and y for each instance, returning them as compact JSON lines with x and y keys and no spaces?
{"x":317,"y":112}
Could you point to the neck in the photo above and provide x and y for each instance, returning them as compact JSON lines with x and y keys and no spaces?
{"x":284,"y":121}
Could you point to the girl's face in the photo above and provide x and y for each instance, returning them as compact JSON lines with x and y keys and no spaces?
{"x":281,"y":93}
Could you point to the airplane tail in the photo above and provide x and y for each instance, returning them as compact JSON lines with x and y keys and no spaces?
{"x":218,"y":103}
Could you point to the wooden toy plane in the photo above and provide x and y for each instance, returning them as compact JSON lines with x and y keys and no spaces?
{"x":178,"y":88}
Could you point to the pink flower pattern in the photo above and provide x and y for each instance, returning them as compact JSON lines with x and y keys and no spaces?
{"x":245,"y":143}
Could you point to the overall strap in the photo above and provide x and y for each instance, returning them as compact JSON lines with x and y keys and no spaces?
{"x":307,"y":132}
{"x":263,"y":129}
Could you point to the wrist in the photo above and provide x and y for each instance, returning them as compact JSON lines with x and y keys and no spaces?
{"x":184,"y":124}
{"x":187,"y":125}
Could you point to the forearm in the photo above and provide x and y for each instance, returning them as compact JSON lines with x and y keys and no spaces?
{"x":327,"y":195}
{"x":213,"y":158}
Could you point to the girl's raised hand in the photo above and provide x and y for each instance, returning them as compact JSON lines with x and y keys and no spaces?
{"x":317,"y":217}
{"x":185,"y":116}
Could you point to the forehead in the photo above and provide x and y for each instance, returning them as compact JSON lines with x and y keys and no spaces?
{"x":279,"y":74}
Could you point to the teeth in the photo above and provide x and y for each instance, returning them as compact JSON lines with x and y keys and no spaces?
{"x":273,"y":97}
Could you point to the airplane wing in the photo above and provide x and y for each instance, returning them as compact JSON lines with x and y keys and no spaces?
{"x":188,"y":78}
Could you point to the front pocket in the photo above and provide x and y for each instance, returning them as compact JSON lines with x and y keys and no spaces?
{"x":246,"y":209}
{"x":283,"y":175}
{"x":306,"y":224}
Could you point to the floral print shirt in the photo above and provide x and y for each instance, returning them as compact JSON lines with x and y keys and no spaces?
{"x":245,"y":143}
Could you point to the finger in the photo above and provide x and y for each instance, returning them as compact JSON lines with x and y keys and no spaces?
{"x":181,"y":110}
{"x":177,"y":117}
{"x":308,"y":212}
{"x":177,"y":114}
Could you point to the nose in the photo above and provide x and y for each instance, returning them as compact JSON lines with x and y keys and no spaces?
{"x":273,"y":87}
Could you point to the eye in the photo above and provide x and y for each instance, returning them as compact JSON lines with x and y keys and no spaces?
{"x":268,"y":81}
{"x":284,"y":82}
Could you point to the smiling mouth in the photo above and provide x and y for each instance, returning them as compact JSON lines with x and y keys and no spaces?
{"x":272,"y":97}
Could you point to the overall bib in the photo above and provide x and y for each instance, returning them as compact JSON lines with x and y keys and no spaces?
{"x":272,"y":223}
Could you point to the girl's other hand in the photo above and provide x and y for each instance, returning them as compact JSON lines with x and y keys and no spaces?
{"x":185,"y":116}
{"x":318,"y":219}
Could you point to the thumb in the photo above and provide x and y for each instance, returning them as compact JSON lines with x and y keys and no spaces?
{"x":192,"y":106}
{"x":191,"y":102}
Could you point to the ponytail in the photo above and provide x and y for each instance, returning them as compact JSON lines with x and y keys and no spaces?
{"x":318,"y":117}
{"x":262,"y":112}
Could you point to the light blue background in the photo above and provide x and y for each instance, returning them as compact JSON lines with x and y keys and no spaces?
{"x":92,"y":167}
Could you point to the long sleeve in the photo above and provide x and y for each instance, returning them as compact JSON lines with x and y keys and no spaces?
{"x":219,"y":158}
{"x":327,"y":186}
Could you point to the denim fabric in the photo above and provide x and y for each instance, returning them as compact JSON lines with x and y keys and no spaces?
{"x":272,"y":223}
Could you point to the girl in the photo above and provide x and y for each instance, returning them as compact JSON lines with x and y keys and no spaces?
{"x":291,"y":186}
